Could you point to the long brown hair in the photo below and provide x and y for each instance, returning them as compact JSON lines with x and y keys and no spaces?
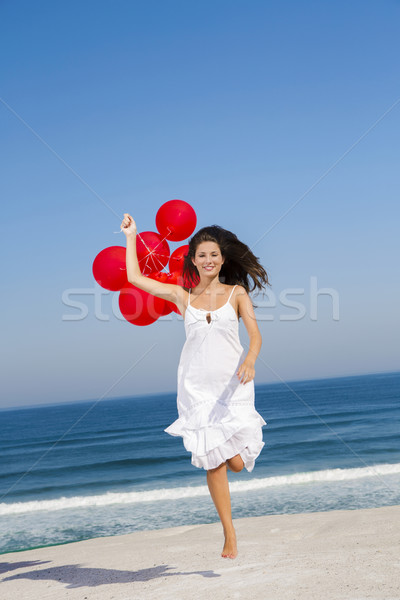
{"x":240,"y":263}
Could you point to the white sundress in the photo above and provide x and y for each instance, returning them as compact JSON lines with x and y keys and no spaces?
{"x":217,"y":416}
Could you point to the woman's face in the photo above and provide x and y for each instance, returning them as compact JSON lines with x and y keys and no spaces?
{"x":208,"y":258}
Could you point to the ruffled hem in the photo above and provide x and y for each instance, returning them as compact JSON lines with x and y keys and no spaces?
{"x":237,"y":444}
{"x":212,"y":439}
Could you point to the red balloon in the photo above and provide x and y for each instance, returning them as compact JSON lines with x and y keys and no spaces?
{"x":152,"y":252}
{"x":139,"y":307}
{"x":177,"y":258}
{"x":109,"y":268}
{"x":176,"y":220}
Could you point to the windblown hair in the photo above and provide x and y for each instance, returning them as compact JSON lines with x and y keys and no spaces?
{"x":240,"y":263}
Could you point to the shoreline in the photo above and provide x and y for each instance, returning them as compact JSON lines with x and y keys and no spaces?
{"x":331,"y":555}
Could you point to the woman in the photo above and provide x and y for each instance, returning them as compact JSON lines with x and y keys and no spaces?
{"x":217,"y":418}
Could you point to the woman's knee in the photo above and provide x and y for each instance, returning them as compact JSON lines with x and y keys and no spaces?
{"x":235,"y":463}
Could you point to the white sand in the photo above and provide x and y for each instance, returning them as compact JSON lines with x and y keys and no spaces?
{"x":350,"y":554}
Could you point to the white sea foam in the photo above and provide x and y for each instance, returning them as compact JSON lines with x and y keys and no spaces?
{"x":195,"y":491}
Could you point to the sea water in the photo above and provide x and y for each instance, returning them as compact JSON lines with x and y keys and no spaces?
{"x":81,"y":470}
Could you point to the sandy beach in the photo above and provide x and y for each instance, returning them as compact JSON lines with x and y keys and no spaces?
{"x":349,"y":554}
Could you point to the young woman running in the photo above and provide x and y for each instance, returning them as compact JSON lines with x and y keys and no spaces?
{"x":217,"y":417}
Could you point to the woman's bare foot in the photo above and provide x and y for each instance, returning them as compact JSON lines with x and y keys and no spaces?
{"x":230,"y":546}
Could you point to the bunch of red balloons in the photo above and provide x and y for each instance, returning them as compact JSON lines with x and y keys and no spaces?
{"x":175,"y":221}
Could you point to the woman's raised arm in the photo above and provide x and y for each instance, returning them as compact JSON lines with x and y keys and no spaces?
{"x":167,"y":291}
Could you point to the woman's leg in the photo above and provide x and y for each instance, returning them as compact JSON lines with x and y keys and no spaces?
{"x":235,"y":463}
{"x":218,"y":485}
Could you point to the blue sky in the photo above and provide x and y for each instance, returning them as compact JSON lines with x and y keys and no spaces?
{"x":242,"y":109}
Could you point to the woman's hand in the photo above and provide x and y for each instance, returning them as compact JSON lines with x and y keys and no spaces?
{"x":128,"y":225}
{"x":246,"y":372}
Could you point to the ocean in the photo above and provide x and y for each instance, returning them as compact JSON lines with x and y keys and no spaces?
{"x":81,"y":470}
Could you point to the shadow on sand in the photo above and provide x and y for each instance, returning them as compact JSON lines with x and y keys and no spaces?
{"x":11,"y":566}
{"x":76,"y":576}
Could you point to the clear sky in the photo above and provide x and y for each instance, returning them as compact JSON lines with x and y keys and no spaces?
{"x":243,"y":109}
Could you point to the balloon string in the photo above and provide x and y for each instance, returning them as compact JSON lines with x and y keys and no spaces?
{"x":140,"y":237}
{"x":152,"y":255}
{"x":147,"y":257}
{"x":156,"y":262}
{"x":155,"y":248}
{"x":144,"y":243}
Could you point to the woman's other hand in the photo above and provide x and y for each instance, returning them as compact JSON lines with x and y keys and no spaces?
{"x":246,"y":372}
{"x":128,"y":225}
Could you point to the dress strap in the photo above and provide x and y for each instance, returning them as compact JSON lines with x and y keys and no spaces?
{"x":233,"y":289}
{"x":189,"y":297}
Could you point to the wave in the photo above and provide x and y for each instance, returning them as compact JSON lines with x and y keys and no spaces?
{"x":99,"y":465}
{"x":178,"y":493}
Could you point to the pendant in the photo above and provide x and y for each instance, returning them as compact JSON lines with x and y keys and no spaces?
{"x":208,"y":318}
